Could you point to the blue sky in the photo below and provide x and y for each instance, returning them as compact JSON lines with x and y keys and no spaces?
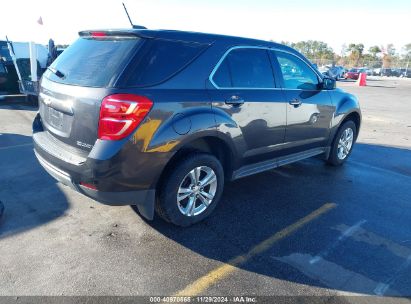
{"x":335,"y":22}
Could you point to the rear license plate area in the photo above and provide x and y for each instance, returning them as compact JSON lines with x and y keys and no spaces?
{"x":55,"y":118}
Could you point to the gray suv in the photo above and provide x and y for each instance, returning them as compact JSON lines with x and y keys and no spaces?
{"x":162,"y":119}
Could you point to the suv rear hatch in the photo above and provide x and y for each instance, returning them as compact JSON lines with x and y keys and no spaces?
{"x":98,"y":71}
{"x":74,"y":86}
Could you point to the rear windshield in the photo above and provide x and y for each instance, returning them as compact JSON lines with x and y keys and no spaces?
{"x":157,"y":60}
{"x":93,"y":62}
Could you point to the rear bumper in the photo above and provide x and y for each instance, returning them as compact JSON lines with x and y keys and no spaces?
{"x":143,"y":199}
{"x":125,"y":177}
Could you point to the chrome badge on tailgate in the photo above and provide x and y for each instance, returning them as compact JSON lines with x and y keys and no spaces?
{"x":81,"y":144}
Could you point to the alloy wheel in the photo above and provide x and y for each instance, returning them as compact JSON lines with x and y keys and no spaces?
{"x":197,"y":190}
{"x":345,"y":143}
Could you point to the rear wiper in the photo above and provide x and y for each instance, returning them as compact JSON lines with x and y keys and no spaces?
{"x":56,"y":72}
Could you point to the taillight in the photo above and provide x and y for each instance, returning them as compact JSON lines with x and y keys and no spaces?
{"x":120,"y":114}
{"x":88,"y":185}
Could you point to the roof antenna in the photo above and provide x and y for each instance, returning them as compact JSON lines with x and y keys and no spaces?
{"x":131,"y":22}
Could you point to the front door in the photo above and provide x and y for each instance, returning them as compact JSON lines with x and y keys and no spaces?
{"x":309,"y":107}
{"x":244,"y":90}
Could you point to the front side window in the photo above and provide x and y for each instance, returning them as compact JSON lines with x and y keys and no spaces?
{"x":245,"y":68}
{"x":296,"y":73}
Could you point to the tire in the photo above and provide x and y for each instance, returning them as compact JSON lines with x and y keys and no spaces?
{"x":338,"y":155}
{"x":182,"y":177}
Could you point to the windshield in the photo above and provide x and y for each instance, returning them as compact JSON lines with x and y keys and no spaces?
{"x":92,"y":62}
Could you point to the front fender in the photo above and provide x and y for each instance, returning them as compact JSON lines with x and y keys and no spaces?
{"x":345,"y":105}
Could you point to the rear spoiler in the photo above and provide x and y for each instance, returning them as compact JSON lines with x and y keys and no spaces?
{"x":114,"y":33}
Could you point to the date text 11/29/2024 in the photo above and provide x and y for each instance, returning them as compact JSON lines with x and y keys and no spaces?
{"x":203,"y":299}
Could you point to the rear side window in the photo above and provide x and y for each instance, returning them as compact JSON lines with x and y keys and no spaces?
{"x":245,"y":68}
{"x":157,"y":60}
{"x":93,"y":62}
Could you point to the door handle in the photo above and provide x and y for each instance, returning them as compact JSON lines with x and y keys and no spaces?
{"x":235,"y":101}
{"x":295,"y":102}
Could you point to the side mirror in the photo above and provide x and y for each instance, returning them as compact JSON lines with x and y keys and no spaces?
{"x":329,"y":84}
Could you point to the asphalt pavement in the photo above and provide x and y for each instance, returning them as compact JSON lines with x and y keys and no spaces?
{"x":305,"y":229}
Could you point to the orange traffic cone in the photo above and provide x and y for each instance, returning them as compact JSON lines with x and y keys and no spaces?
{"x":362,"y":80}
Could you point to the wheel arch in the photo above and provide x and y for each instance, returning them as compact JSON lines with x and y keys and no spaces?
{"x":213,"y":145}
{"x":354,"y":116}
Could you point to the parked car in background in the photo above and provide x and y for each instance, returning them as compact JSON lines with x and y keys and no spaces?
{"x":165,"y":135}
{"x":352,"y":74}
{"x":9,"y":80}
{"x":390,"y":72}
{"x":405,"y":72}
{"x":341,"y":71}
{"x":324,"y":69}
{"x":334,"y":72}
{"x":396,"y":72}
{"x":376,"y":72}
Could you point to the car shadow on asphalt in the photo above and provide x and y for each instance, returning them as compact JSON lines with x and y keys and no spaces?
{"x":381,"y":86}
{"x":30,"y":196}
{"x":368,"y":261}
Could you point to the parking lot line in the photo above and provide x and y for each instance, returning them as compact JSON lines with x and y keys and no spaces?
{"x":345,"y":235}
{"x":223,"y":271}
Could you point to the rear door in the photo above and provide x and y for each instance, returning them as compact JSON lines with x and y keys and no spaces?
{"x":309,"y":108}
{"x":245,"y":89}
{"x":75,"y":84}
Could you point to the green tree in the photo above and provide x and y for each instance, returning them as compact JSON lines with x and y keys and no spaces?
{"x":407,"y":49}
{"x":407,"y":55}
{"x":356,"y":53}
{"x":389,"y":58}
{"x":374,"y":50}
{"x":317,"y":51}
{"x":371,"y":59}
{"x":390,"y":49}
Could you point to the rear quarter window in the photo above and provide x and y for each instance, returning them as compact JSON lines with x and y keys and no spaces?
{"x":158,"y":60}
